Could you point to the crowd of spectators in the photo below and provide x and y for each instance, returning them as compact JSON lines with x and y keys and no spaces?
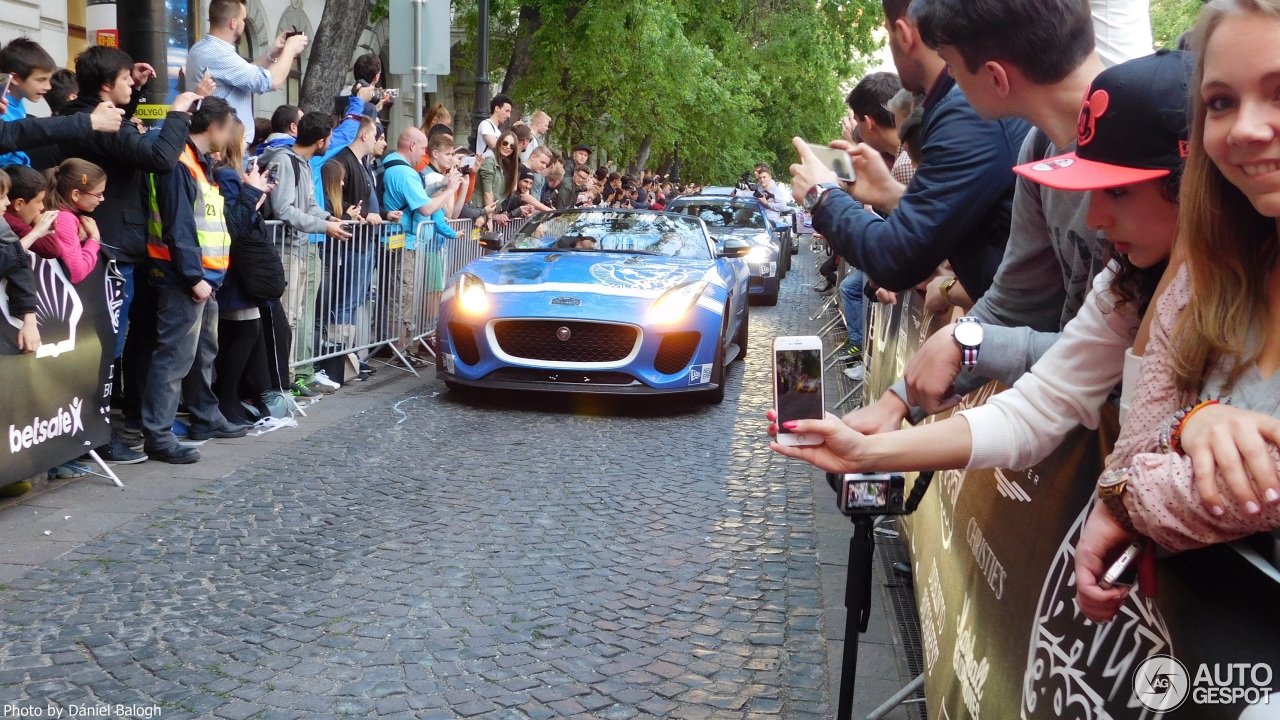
{"x":251,"y":250}
{"x":1070,"y":236}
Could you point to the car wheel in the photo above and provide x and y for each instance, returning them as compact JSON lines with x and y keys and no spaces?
{"x":743,"y":331}
{"x":771,"y":299}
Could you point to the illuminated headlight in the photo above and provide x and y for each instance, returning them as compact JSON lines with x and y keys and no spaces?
{"x":472,"y":298}
{"x":758,"y":254}
{"x":676,"y":302}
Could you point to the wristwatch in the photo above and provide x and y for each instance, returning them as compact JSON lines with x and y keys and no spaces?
{"x":945,"y":289}
{"x":814,"y":197}
{"x":1111,"y":487}
{"x":968,"y":334}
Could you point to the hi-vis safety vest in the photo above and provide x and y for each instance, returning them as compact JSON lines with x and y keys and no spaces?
{"x":211,"y":222}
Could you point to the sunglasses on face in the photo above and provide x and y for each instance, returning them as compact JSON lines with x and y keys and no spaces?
{"x":506,"y":144}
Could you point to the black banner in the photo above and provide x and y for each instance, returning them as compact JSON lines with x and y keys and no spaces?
{"x":993,"y":554}
{"x":56,"y":402}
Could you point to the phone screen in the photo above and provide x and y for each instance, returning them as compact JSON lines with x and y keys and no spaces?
{"x":8,"y":79}
{"x":838,"y":161}
{"x":798,"y":385}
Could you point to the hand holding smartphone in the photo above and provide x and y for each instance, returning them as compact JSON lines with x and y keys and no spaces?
{"x":1123,"y":571}
{"x":797,"y":385}
{"x":838,"y":161}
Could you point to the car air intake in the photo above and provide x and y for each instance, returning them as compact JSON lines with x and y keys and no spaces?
{"x":676,"y":351}
{"x":562,"y":341}
{"x":464,"y":343}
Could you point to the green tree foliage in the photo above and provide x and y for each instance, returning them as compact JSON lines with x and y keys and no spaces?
{"x":1171,"y":18}
{"x":727,"y":83}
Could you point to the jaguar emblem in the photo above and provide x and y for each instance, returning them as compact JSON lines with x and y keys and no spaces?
{"x":572,"y":301}
{"x":563,"y":334}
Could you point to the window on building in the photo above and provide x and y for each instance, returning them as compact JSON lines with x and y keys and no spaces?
{"x":77,"y":38}
{"x":293,"y":86}
{"x":245,"y":46}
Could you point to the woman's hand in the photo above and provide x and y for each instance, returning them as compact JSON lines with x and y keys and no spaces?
{"x":1220,"y":438}
{"x":353,"y":212}
{"x":1101,"y":541}
{"x":838,"y":451}
{"x":257,"y":179}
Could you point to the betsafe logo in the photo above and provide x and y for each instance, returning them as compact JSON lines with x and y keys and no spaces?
{"x":1161,"y":684}
{"x":66,"y":421}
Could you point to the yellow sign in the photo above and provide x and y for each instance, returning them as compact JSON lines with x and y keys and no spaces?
{"x":395,"y":242}
{"x":151,"y":112}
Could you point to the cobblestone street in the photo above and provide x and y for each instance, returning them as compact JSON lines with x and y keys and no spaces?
{"x":507,"y":556}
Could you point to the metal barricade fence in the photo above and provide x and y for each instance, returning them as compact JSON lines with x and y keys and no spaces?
{"x":344,"y":295}
{"x":438,"y":258}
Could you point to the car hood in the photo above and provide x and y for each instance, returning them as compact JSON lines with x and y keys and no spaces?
{"x":610,"y":273}
{"x":755,"y":236}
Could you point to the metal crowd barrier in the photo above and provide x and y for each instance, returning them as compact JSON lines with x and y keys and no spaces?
{"x":373,"y":290}
{"x":344,"y":296}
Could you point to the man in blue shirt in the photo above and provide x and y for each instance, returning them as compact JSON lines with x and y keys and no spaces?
{"x":403,"y":189}
{"x":238,"y":79}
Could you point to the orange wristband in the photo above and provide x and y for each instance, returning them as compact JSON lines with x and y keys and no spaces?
{"x":1175,"y":438}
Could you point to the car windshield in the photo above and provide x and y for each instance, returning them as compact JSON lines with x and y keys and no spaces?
{"x":720,"y":214}
{"x":615,"y":231}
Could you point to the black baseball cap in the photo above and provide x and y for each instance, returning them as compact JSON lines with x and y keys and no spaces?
{"x":583,"y":146}
{"x":1134,"y":126}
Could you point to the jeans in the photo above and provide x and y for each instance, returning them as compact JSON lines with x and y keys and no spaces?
{"x":851,"y":302}
{"x":302,"y":270}
{"x":181,"y":367}
{"x":126,"y":271}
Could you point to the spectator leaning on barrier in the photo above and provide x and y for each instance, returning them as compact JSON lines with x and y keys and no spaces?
{"x":293,"y":202}
{"x":558,"y":191}
{"x":1132,"y":170}
{"x":539,"y":162}
{"x":491,"y":127}
{"x":1052,"y":255}
{"x":404,"y":190}
{"x":957,"y":207}
{"x":189,"y":246}
{"x":239,"y":79}
{"x":15,"y":265}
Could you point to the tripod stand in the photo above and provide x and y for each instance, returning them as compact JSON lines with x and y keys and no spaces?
{"x":857,"y":597}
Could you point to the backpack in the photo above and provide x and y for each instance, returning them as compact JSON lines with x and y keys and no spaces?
{"x":257,"y":262}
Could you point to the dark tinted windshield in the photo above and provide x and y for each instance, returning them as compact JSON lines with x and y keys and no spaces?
{"x":604,"y":230}
{"x":722,"y":214}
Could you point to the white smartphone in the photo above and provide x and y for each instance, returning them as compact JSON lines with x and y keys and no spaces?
{"x":468,"y":161}
{"x":253,"y":163}
{"x":8,"y":80}
{"x":837,"y":160}
{"x":797,"y":385}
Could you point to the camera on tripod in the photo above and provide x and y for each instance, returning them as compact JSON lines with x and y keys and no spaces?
{"x":871,"y":494}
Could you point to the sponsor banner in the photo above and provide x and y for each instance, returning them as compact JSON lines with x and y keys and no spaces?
{"x":993,"y":555}
{"x":56,"y":404}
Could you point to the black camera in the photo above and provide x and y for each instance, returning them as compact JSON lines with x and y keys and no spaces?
{"x":466,"y":170}
{"x":872,"y":494}
{"x":291,"y":32}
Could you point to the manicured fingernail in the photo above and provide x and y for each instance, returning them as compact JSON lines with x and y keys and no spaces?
{"x":1252,"y":507}
{"x":790,"y":424}
{"x":1217,"y":510}
{"x":1273,"y":496}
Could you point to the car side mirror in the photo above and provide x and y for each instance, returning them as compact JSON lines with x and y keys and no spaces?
{"x":735,"y":248}
{"x":489,"y":241}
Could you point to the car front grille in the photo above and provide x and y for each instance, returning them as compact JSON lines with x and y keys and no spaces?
{"x":675,"y":352}
{"x":565,"y":341}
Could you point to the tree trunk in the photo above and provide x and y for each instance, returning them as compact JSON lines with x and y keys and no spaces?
{"x":331,"y":50}
{"x":522,"y":51}
{"x":667,"y":162}
{"x":642,"y":156}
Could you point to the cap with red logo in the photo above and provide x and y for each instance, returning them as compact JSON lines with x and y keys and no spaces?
{"x":1133,"y":127}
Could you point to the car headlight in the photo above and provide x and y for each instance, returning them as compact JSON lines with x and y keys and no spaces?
{"x":758,"y":254}
{"x":471,"y":295}
{"x":676,"y":302}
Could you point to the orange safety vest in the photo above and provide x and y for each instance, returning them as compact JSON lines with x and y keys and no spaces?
{"x":210,"y":214}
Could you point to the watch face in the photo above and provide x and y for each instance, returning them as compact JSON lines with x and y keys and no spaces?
{"x":969,"y":334}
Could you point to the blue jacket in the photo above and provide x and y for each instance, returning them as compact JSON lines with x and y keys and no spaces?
{"x":956,"y":208}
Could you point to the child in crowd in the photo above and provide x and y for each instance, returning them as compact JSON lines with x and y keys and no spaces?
{"x":15,"y":267}
{"x":30,"y":67}
{"x":23,"y":204}
{"x":75,"y":187}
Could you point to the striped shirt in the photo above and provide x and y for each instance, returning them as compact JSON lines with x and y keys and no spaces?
{"x":238,"y":79}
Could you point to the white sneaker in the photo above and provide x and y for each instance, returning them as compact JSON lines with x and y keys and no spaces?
{"x":322,"y":378}
{"x":855,"y":372}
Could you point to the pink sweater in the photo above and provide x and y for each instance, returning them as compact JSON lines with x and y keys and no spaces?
{"x":1162,"y":499}
{"x":64,"y":243}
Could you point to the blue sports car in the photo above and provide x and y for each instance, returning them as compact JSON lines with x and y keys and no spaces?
{"x":599,"y":300}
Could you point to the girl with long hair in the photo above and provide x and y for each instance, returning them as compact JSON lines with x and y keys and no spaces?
{"x":500,"y":172}
{"x":1196,"y":460}
{"x":75,"y":187}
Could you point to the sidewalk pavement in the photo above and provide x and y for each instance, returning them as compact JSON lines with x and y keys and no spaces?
{"x":50,"y":522}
